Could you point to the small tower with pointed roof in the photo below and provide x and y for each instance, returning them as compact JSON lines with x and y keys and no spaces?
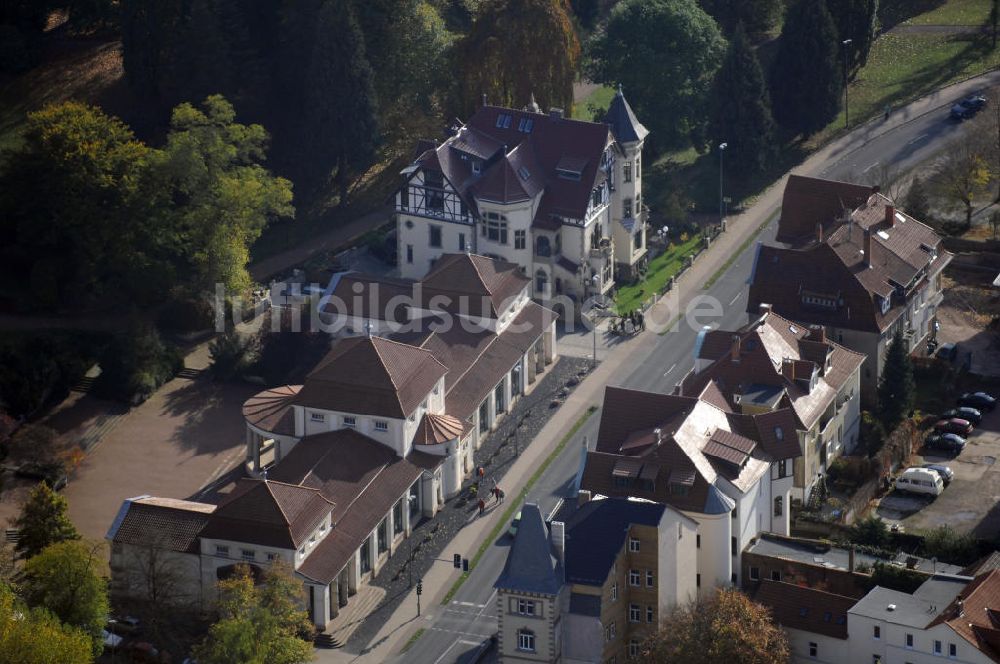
{"x":628,"y":221}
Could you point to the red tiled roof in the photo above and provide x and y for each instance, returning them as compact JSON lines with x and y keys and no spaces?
{"x":271,"y":410}
{"x":437,"y":429}
{"x":973,"y":614}
{"x":371,"y":376}
{"x":268,"y":512}
{"x":478,"y":279}
{"x":162,"y":522}
{"x":809,"y":201}
{"x":804,"y":608}
{"x":367,"y":296}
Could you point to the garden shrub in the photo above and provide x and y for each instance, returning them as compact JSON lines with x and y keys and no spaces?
{"x":135,"y":364}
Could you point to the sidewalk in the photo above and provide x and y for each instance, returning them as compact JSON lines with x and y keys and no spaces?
{"x":621,"y":360}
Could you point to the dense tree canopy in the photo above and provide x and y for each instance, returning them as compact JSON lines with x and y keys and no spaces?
{"x":517,"y":48}
{"x":807,"y":76}
{"x":855,"y":20}
{"x":728,"y":627}
{"x":35,"y":636}
{"x":43,"y":521}
{"x":258,"y":624}
{"x":741,"y":109}
{"x":664,"y":53}
{"x":65,"y":579}
{"x":754,"y":15}
{"x":896,"y":387}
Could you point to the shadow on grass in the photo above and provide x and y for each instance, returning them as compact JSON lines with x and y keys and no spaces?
{"x":893,"y":12}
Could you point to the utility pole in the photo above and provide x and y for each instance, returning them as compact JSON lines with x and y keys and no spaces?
{"x":847,"y":114}
{"x":722,"y":202}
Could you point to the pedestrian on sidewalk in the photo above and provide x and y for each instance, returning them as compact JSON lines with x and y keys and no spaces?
{"x":500,"y":495}
{"x":496,"y":494}
{"x":482,"y":506}
{"x":888,"y":109}
{"x":481,"y":472}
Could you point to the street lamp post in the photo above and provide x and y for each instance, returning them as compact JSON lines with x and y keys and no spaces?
{"x":847,"y":114}
{"x":722,"y":209}
{"x":593,"y":321}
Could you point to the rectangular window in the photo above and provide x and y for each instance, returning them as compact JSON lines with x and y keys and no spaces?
{"x":626,"y":208}
{"x":383,"y":537}
{"x":350,"y":421}
{"x":271,"y":556}
{"x":525,"y":607}
{"x":937,"y":647}
{"x":782,"y":468}
{"x":775,"y":575}
{"x":404,"y":197}
{"x":778,"y":507}
{"x":733,"y":545}
{"x":496,"y":227}
{"x":634,"y":578}
{"x":614,"y":591}
{"x":526,"y":640}
{"x":952,"y":650}
{"x":813,"y":649}
{"x":633,"y":545}
{"x":633,"y":648}
{"x":248,"y":555}
{"x":697,"y":541}
{"x":649,"y":578}
{"x":461,"y":241}
{"x":909,"y":640}
{"x":754,"y":573}
{"x":409,"y":253}
{"x":611,"y":630}
{"x":627,"y":171}
{"x":317,"y":417}
{"x":697,"y":580}
{"x":634,"y":613}
{"x":435,"y":236}
{"x":520,"y":239}
{"x":638,"y":166}
{"x":366,"y":556}
{"x":381,"y":425}
{"x":876,"y":632}
{"x":221,"y":551}
{"x":650,"y":614}
{"x":397,"y":517}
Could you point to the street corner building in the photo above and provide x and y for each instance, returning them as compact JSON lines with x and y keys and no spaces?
{"x":847,"y":259}
{"x":560,"y":198}
{"x":341,"y":468}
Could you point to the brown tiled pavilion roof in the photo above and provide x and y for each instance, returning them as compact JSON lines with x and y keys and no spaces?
{"x":437,"y":429}
{"x":269,"y":513}
{"x":809,"y":201}
{"x":804,"y":608}
{"x":477,"y":278}
{"x":161,"y":522}
{"x":975,"y":614}
{"x":371,"y":376}
{"x":271,"y":410}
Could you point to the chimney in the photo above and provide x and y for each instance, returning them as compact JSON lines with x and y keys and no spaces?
{"x":557,"y":533}
{"x":817,"y":333}
{"x":819,"y":233}
{"x":868,"y":248}
{"x":734,"y":351}
{"x":556,"y":113}
{"x":850,"y":559}
{"x":764,"y":308}
{"x":788,"y":368}
{"x":890,"y":215}
{"x":582,"y":497}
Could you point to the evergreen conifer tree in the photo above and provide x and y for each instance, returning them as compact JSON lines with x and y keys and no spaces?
{"x":43,"y":521}
{"x":807,"y":76}
{"x":896,"y":389}
{"x":740,"y":112}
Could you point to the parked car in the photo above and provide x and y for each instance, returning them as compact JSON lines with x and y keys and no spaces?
{"x":968,"y":107}
{"x":978,"y":400}
{"x":973,"y":416}
{"x":946,"y":473}
{"x":512,"y":531}
{"x":954,"y":425}
{"x":948,"y":352}
{"x":920,"y":480}
{"x":950,"y":442}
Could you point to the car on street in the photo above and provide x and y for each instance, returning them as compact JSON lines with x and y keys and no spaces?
{"x":968,"y":107}
{"x":973,"y":416}
{"x":512,"y":531}
{"x":954,"y":425}
{"x":949,"y":442}
{"x":946,"y":473}
{"x":978,"y":400}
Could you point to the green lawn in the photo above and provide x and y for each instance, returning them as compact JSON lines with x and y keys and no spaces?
{"x":599,"y":98}
{"x":955,"y":12}
{"x":661,"y":269}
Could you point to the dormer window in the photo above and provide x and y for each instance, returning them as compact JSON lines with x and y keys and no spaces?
{"x":350,"y":421}
{"x":476,"y":166}
{"x":503,"y":121}
{"x":779,"y":433}
{"x":525,"y":125}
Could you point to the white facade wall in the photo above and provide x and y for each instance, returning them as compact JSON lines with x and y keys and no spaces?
{"x":828,"y":649}
{"x":714,"y":560}
{"x":891,"y":646}
{"x":677,"y":555}
{"x":751,"y":516}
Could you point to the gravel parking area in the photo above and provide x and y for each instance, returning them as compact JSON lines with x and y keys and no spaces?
{"x":971,"y":503}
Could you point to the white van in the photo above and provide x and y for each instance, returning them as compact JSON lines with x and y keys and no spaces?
{"x":920,"y":480}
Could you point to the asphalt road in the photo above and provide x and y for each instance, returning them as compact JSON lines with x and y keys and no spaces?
{"x":460,"y":631}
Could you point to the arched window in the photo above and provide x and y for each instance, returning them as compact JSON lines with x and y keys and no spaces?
{"x":542,"y":246}
{"x":541,"y":282}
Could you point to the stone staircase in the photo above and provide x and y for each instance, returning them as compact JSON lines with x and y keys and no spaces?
{"x":359,"y":607}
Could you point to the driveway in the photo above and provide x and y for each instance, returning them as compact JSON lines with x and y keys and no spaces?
{"x":970,"y":502}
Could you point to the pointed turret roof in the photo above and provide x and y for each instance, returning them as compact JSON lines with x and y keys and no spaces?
{"x":624,"y":125}
{"x":530,"y":566}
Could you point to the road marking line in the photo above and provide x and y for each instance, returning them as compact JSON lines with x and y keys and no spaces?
{"x":489,"y":602}
{"x":453,"y":644}
{"x":672,"y":367}
{"x":870,"y":167}
{"x":738,"y":296}
{"x":918,"y":138}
